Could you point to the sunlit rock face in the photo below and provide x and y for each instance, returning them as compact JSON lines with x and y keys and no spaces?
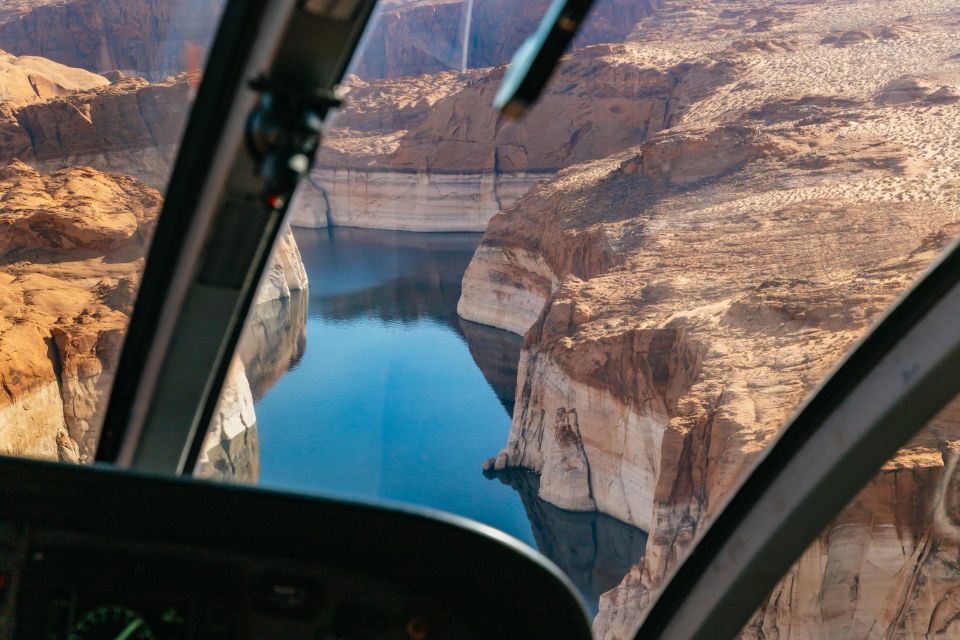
{"x":286,"y":272}
{"x":231,"y":449}
{"x":71,"y":254}
{"x":130,"y":127}
{"x":883,"y":567}
{"x":596,"y":445}
{"x":430,"y":153}
{"x":31,"y":79}
{"x":73,"y":247}
{"x":405,"y":200}
{"x":680,"y":297}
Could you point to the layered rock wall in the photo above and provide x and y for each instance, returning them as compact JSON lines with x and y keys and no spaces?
{"x":406,"y":201}
{"x":431,"y":154}
{"x":592,"y":423}
{"x":150,"y":38}
{"x":130,"y":127}
{"x":747,"y":246}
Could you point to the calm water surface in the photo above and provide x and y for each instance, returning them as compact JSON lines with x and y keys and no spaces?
{"x":396,"y":397}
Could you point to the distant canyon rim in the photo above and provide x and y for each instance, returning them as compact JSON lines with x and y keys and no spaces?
{"x":704,"y":213}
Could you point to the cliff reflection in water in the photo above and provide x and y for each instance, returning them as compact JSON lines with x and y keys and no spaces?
{"x":593,"y":549}
{"x":396,"y":397}
{"x":272,"y":344}
{"x":274,"y":340}
{"x":392,"y":276}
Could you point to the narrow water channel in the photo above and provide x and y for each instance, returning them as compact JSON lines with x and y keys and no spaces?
{"x":395,"y":397}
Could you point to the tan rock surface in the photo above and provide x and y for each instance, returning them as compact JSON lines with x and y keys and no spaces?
{"x":73,"y":243}
{"x":696,"y":287}
{"x":131,"y":127}
{"x":28,"y":79}
{"x":430,"y":154}
{"x":71,"y":256}
{"x":73,"y":250}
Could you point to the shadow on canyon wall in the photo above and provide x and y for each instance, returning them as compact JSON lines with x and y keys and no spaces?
{"x":593,"y":549}
{"x":497,"y":354}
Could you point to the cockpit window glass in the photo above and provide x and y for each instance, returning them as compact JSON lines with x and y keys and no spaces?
{"x":93,"y":99}
{"x":582,"y":327}
{"x":585,"y":326}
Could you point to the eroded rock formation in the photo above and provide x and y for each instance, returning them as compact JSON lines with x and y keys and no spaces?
{"x":73,"y":248}
{"x":130,"y":127}
{"x":72,"y":252}
{"x":680,"y":297}
{"x":432,"y":155}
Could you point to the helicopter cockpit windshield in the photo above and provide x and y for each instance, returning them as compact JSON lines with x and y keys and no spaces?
{"x":664,"y":326}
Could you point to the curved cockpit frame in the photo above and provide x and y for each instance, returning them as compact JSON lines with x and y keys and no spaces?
{"x":194,"y":299}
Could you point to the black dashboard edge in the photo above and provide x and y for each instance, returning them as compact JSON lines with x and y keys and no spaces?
{"x":492,"y":581}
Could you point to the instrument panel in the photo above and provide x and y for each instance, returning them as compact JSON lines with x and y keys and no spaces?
{"x":69,"y":589}
{"x":156,"y":558}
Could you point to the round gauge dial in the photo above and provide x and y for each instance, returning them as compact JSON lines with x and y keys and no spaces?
{"x":112,"y":622}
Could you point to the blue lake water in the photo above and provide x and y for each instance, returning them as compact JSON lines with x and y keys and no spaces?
{"x":395,"y":397}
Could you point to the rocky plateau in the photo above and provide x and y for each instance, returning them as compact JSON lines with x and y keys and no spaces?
{"x":680,"y":296}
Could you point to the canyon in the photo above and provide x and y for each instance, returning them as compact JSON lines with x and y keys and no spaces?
{"x":711,"y":204}
{"x":73,"y":249}
{"x":680,"y":296}
{"x":430,"y":154}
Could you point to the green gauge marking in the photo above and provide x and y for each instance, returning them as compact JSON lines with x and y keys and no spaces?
{"x":111,"y":622}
